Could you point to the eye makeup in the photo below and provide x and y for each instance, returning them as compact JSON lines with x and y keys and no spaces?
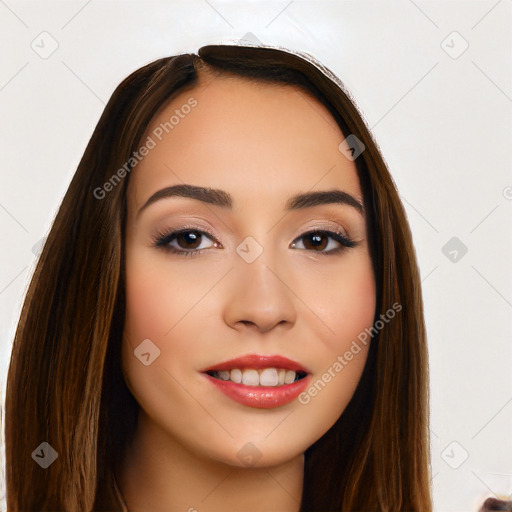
{"x":191,"y":234}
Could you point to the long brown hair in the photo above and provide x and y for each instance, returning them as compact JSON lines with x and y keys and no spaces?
{"x":65,"y":385}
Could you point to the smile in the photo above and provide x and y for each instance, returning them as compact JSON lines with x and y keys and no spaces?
{"x":259,"y":381}
{"x":253,"y":377}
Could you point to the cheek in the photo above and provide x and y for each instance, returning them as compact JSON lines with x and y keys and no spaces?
{"x":353,"y":304}
{"x":156,"y":297}
{"x":346,"y":306}
{"x":162,"y":304}
{"x":344,"y":301}
{"x":156,"y":301}
{"x":152,"y":309}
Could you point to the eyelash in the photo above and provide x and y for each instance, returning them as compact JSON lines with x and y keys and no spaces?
{"x":162,"y":240}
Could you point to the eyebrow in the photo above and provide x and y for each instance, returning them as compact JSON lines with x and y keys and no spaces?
{"x":223,"y":199}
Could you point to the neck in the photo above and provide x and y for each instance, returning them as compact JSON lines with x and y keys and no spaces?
{"x":158,"y":473}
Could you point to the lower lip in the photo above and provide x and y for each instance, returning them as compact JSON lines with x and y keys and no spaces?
{"x":260,"y":397}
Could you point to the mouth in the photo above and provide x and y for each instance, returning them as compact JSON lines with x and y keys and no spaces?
{"x":259,"y":381}
{"x":253,"y":377}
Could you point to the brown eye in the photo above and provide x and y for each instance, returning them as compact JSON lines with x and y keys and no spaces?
{"x":314,"y":241}
{"x":185,"y":241}
{"x":188,"y":239}
{"x":318,"y":240}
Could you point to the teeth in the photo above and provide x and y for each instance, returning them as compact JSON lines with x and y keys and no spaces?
{"x":289,"y":377}
{"x":250,"y":378}
{"x":268,"y":377}
{"x":265,"y":377}
{"x":236,"y":375}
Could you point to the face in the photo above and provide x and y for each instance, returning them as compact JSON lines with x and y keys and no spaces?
{"x":284,"y":288}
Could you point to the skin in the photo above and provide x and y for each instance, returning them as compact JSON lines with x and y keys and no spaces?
{"x":262,"y":143}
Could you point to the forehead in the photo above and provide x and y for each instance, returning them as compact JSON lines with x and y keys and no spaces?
{"x":257,"y":140}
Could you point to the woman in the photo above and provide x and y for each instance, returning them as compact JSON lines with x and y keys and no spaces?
{"x":281,"y":366}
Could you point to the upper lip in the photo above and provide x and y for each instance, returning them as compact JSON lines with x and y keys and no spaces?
{"x":257,"y":362}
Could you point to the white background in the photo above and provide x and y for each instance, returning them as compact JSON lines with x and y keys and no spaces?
{"x":444,"y":125}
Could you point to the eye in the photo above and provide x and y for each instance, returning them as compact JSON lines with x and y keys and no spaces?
{"x":315,"y":242}
{"x":187,"y":239}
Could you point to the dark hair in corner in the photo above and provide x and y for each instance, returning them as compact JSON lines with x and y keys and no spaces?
{"x":65,"y":384}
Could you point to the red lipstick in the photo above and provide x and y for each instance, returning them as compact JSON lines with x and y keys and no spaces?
{"x":258,"y":362}
{"x":258,"y":396}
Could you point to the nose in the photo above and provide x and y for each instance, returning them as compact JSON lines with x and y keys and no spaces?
{"x":259,"y":297}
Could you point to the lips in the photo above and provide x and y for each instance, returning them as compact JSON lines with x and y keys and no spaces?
{"x":260,"y":381}
{"x":258,"y":362}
